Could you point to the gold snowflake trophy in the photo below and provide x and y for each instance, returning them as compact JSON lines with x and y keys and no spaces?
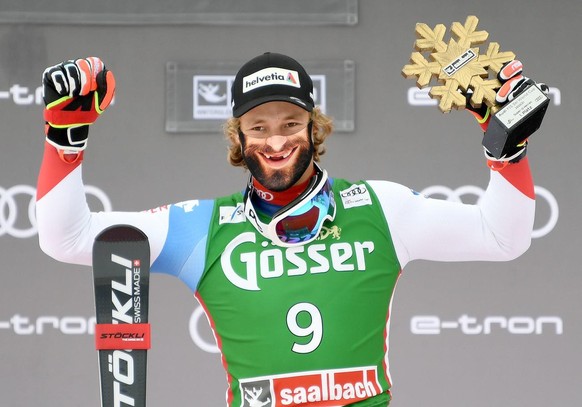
{"x":458,"y":68}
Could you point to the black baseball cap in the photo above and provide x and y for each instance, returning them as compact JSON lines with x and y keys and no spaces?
{"x":271,"y":77}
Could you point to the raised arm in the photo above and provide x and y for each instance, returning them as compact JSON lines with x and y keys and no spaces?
{"x":497,"y":228}
{"x":76,"y":92}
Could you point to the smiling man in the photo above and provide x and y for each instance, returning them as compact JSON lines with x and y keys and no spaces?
{"x":297,"y":274}
{"x":275,"y":144}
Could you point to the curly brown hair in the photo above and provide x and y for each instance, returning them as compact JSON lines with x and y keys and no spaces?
{"x":322,"y":128}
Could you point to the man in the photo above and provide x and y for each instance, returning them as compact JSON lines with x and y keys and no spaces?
{"x":297,"y":273}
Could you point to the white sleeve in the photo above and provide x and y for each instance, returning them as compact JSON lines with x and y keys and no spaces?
{"x":66,"y":226}
{"x":497,"y":228}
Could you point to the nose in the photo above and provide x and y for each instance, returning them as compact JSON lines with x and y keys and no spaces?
{"x":276,"y":142}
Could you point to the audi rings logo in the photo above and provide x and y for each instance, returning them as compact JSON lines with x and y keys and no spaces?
{"x":196,"y":334}
{"x":17,"y":209}
{"x":551,"y":212}
{"x":264,"y":195}
{"x":355,"y":191}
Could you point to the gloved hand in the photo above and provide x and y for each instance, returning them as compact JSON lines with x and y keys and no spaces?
{"x":513,"y":83}
{"x":75,"y":93}
{"x":512,"y":80}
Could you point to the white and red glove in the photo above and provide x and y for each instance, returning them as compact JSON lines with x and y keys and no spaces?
{"x":75,"y":93}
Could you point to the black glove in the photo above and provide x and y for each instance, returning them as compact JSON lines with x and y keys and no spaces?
{"x":513,"y":83}
{"x":75,"y":93}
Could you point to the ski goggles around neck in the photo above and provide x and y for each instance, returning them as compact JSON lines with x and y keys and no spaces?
{"x":300,"y":221}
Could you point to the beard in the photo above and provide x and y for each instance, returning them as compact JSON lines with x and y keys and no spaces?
{"x":278,"y":180}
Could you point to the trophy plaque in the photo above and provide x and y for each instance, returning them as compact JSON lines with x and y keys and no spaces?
{"x":459,"y":68}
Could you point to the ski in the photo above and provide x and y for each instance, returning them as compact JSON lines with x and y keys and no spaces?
{"x":121,"y":259}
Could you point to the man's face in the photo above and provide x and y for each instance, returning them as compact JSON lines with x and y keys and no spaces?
{"x":276,"y":145}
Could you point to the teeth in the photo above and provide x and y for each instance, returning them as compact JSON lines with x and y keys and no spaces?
{"x":283,"y":156}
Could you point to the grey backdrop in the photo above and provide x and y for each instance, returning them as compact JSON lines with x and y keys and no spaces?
{"x":48,"y":358}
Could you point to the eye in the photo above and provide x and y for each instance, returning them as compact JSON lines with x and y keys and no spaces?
{"x":256,"y":131}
